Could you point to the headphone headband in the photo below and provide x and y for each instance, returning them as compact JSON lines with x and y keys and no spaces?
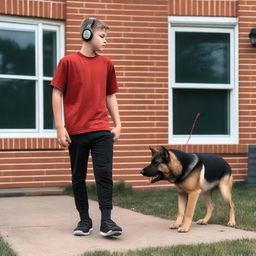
{"x":89,"y":23}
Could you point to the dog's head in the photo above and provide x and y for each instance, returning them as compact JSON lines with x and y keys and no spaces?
{"x":158,"y":168}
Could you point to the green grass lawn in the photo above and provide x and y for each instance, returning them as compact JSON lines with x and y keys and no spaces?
{"x":245,"y":247}
{"x":163,"y":203}
{"x":5,"y":249}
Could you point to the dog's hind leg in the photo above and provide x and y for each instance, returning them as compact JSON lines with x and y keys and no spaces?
{"x":226,"y":191}
{"x":207,"y":197}
{"x":182,"y":201}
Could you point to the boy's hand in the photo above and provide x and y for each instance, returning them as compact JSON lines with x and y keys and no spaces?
{"x":117,"y":132}
{"x":63,"y":137}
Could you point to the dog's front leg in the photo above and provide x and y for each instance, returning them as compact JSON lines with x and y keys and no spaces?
{"x":192,"y":199}
{"x":182,"y":200}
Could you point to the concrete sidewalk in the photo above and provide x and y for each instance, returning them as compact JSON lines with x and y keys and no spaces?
{"x":42,"y":225}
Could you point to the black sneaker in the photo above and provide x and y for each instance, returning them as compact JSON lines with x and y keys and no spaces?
{"x":84,"y":228}
{"x":109,"y":228}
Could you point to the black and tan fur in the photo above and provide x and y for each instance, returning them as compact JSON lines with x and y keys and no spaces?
{"x":192,"y":174}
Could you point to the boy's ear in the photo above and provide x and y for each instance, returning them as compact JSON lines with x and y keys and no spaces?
{"x":153,"y":151}
{"x":165,"y":154}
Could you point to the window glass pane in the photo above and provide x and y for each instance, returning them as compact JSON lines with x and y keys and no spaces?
{"x":213,"y":106}
{"x":48,"y":114}
{"x":49,"y":52}
{"x":17,"y":52}
{"x":17,"y":104}
{"x":202,"y":57}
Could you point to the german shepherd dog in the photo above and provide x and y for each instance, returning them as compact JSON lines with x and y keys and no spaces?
{"x":192,"y":174}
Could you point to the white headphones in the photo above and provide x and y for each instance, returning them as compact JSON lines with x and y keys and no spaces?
{"x":87,"y":34}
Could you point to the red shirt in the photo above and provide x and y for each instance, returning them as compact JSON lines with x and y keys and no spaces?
{"x":85,"y":82}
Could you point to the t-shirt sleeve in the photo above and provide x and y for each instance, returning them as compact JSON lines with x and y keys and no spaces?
{"x":60,"y":76}
{"x":112,"y":86}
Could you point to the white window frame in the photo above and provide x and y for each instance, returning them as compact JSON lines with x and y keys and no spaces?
{"x":36,"y":25}
{"x":205,"y":24}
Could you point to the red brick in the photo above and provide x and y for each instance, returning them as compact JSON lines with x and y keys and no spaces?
{"x":141,"y":61}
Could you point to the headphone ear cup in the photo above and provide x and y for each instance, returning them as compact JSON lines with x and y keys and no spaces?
{"x":87,"y":35}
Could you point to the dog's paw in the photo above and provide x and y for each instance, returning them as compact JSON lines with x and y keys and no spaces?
{"x":202,"y":222}
{"x":174,"y":226}
{"x":183,"y":229}
{"x":231,"y":224}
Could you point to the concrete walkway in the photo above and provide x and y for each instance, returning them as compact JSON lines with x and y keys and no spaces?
{"x":42,"y":225}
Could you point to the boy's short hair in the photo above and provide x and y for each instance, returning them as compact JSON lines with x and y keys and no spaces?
{"x":97,"y":24}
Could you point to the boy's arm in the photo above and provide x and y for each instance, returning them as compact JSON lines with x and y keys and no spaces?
{"x":114,"y":112}
{"x":62,"y":135}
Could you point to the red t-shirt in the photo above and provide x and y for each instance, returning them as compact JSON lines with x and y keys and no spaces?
{"x":85,"y":82}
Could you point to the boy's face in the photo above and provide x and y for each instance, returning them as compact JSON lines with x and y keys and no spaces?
{"x":99,"y":41}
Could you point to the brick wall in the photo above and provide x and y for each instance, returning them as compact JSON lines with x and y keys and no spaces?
{"x":138,"y":46}
{"x":22,"y":161}
{"x":236,"y":155}
{"x":50,"y":9}
{"x":247,"y":73}
{"x":223,"y":8}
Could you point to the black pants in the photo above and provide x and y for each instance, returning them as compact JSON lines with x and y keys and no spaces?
{"x":100,"y":143}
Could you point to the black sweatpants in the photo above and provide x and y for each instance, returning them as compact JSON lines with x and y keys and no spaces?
{"x":100,"y":144}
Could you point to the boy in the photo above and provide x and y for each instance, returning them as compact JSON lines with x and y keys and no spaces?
{"x":87,"y":83}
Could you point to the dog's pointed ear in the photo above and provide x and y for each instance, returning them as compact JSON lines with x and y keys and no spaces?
{"x":165,"y":154}
{"x":153,"y":151}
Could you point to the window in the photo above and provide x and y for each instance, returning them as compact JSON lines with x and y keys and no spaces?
{"x":29,"y":52}
{"x":203,"y":79}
